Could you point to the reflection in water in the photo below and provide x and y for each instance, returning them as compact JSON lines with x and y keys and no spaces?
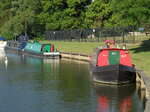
{"x":74,"y":80}
{"x":3,"y":57}
{"x":47,"y":85}
{"x":44,"y":72}
{"x":6,"y":61}
{"x":125,"y":104}
{"x":113,"y":98}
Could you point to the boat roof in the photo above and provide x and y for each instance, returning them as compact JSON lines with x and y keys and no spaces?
{"x":109,"y":49}
{"x":114,"y":49}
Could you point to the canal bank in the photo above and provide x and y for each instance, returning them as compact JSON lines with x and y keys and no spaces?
{"x":145,"y":86}
{"x":75,"y":56}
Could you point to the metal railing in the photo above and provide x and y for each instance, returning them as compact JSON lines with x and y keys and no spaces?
{"x":122,"y":35}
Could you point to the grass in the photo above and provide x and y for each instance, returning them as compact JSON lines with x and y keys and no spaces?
{"x":75,"y":47}
{"x":140,"y":53}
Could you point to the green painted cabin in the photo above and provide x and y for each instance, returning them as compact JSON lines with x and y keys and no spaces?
{"x":39,"y":47}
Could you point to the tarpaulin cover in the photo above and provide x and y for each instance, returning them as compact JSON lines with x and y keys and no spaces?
{"x":23,"y":38}
{"x":2,"y":38}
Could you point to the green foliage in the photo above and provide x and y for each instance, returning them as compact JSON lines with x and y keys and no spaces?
{"x":71,"y":19}
{"x":51,"y":14}
{"x":5,"y":13}
{"x":8,"y":35}
{"x":97,"y":14}
{"x":62,"y":14}
{"x":22,"y":16}
{"x":35,"y":16}
{"x":130,"y":12}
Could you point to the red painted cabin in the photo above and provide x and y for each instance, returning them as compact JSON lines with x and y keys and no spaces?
{"x":112,"y":66}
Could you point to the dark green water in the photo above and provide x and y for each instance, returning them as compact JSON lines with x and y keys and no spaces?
{"x":30,"y":84}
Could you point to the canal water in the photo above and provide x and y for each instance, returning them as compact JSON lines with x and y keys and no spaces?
{"x":30,"y":84}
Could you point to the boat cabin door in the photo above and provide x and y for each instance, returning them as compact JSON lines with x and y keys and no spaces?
{"x":114,"y":57}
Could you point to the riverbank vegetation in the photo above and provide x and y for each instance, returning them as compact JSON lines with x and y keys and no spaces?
{"x":140,"y":52}
{"x":33,"y":17}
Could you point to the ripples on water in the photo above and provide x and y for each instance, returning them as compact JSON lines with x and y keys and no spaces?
{"x":30,"y":84}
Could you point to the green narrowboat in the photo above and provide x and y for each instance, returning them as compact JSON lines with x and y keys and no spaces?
{"x":41,"y":49}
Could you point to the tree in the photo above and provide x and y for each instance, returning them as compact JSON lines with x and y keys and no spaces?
{"x":35,"y":16}
{"x":97,"y":14}
{"x":73,"y":16}
{"x":23,"y":16}
{"x":130,"y":12}
{"x":52,"y":10}
{"x":5,"y":13}
{"x":63,"y":14}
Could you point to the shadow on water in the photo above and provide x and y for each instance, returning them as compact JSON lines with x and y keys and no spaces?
{"x":144,"y":47}
{"x":122,"y":98}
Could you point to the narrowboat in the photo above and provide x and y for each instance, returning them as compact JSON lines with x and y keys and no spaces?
{"x":3,"y":42}
{"x":112,"y":66}
{"x":41,"y":50}
{"x":17,"y":45}
{"x":34,"y":48}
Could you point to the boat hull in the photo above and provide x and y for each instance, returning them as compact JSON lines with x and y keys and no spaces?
{"x":36,"y":52}
{"x":3,"y":44}
{"x":51,"y":55}
{"x":113,"y":74}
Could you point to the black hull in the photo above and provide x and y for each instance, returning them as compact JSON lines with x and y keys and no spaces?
{"x":36,"y":54}
{"x":113,"y":74}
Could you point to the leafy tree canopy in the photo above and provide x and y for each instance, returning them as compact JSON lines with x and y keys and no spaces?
{"x":33,"y":17}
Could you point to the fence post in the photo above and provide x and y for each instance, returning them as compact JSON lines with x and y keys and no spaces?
{"x":93,"y":36}
{"x":133,"y":37}
{"x":123,"y":41}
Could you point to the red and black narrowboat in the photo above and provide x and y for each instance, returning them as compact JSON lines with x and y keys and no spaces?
{"x":112,"y":65}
